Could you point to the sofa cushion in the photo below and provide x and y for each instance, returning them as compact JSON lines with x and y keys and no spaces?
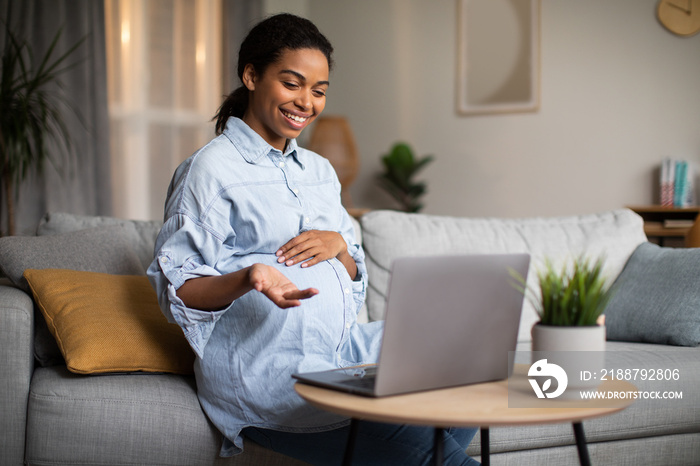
{"x":146,"y":419}
{"x":657,"y":298}
{"x":108,"y":323}
{"x":389,"y":234}
{"x":105,"y":249}
{"x":141,"y":234}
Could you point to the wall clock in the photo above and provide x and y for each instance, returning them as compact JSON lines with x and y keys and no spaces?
{"x":681,"y":17}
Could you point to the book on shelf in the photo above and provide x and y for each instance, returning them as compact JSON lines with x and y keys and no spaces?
{"x":677,"y":183}
{"x":678,"y":223}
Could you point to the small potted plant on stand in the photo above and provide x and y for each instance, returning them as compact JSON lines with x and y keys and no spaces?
{"x":400,"y":166}
{"x":570,"y":302}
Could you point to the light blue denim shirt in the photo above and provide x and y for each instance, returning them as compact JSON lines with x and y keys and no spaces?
{"x":230,"y":205}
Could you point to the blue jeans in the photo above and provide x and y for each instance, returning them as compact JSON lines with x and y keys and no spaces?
{"x":377,"y":444}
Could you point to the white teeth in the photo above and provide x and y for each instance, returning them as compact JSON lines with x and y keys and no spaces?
{"x":298,"y":119}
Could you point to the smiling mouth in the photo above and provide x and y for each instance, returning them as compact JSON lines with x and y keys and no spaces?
{"x":295,"y":118}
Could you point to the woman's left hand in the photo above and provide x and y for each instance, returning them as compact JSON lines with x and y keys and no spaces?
{"x":311,"y":247}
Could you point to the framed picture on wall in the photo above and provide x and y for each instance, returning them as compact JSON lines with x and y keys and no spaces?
{"x":498,"y":61}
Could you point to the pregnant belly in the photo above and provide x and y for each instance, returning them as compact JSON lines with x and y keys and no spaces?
{"x":314,"y":327}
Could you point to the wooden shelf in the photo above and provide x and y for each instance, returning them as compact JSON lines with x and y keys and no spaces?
{"x":685,"y":231}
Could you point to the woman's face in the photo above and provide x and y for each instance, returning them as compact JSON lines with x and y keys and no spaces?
{"x":288,"y":96}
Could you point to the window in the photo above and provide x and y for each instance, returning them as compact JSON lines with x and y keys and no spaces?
{"x":164,"y":86}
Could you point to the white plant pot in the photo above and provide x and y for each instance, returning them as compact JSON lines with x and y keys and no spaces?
{"x":579,"y":350}
{"x":553,"y":338}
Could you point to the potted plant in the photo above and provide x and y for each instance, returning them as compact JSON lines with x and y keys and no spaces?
{"x":400,"y":166}
{"x":570,"y":302}
{"x":29,"y":113}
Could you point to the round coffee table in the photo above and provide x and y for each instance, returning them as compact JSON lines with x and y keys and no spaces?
{"x":481,"y":405}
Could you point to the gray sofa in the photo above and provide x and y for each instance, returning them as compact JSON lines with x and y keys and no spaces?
{"x":50,"y":416}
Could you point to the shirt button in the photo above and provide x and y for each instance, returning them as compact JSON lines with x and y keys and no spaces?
{"x":281,"y":165}
{"x":348,"y":325}
{"x":164,"y":260}
{"x":307,"y":220}
{"x":295,"y":191}
{"x":347,"y":290}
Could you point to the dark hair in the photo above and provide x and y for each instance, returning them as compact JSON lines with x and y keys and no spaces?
{"x":263,"y":46}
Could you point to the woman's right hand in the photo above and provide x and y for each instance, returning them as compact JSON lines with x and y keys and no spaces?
{"x":216,"y":292}
{"x":277,"y":287}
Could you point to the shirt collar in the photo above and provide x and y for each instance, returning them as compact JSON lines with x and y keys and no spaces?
{"x":252,"y":146}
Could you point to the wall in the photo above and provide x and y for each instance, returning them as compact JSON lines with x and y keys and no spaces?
{"x":618,"y":93}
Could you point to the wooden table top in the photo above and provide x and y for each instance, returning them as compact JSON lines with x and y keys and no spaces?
{"x":482,"y":405}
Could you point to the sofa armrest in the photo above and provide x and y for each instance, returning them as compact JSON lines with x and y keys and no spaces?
{"x":16,"y":368}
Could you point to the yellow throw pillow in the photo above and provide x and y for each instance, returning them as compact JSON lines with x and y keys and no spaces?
{"x":108,"y":323}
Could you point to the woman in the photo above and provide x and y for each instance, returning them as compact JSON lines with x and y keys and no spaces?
{"x":257,"y":262}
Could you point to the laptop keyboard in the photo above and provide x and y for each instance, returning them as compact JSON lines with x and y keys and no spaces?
{"x":361,"y":382}
{"x":363,"y":377}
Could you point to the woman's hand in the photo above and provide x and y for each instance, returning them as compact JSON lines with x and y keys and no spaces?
{"x":311,"y":247}
{"x":314,"y":246}
{"x":278,"y":288}
{"x":219,"y":291}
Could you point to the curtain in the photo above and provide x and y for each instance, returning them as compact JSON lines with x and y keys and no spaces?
{"x":164,"y":85}
{"x":168,"y":65}
{"x":81,"y":184}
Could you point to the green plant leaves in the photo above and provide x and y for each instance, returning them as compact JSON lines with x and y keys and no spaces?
{"x":574,"y":295}
{"x":29,"y":112}
{"x":400,"y":166}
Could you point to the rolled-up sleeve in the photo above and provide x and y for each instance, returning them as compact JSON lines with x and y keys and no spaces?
{"x":183,"y":249}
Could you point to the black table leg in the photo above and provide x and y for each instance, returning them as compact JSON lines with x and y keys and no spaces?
{"x":485,"y":452}
{"x":350,"y":446}
{"x":438,"y":446}
{"x":583,"y":457}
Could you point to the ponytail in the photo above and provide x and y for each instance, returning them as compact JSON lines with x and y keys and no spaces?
{"x":235,"y":105}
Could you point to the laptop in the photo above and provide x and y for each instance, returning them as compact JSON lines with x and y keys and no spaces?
{"x":450,"y":320}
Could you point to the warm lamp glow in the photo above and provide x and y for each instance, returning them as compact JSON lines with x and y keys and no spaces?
{"x":126,"y":33}
{"x":201,"y":54}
